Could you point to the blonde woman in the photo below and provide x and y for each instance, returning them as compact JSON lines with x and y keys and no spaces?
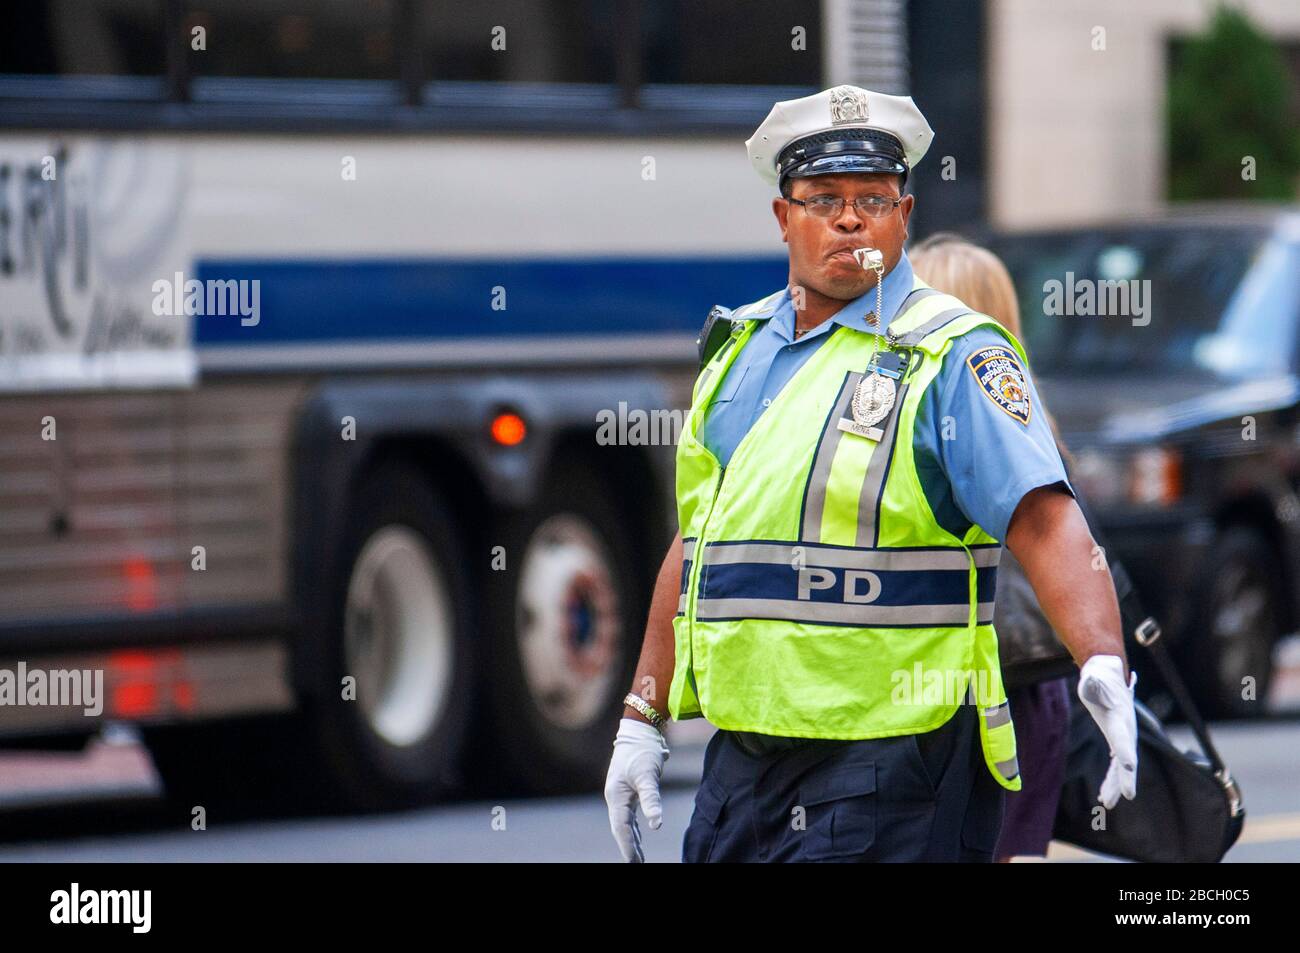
{"x":1040,"y":711}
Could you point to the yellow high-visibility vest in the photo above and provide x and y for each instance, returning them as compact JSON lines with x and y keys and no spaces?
{"x":820,"y":596}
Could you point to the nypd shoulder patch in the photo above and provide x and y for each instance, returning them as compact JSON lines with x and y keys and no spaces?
{"x":1000,"y":376}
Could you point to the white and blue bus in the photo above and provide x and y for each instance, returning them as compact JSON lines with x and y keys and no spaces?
{"x":308,"y":315}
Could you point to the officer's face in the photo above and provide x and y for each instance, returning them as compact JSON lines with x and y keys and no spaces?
{"x":821,"y":249}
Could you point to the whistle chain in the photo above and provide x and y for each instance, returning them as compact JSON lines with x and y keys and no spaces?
{"x":872,"y":259}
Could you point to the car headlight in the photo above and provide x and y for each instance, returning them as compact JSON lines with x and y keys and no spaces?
{"x":1155,"y":477}
{"x":1142,"y":476}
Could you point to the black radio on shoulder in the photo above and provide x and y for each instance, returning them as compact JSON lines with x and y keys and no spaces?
{"x":716,"y":330}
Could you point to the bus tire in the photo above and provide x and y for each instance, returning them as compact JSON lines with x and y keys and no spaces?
{"x":391,"y":718}
{"x":564,"y":622}
{"x":385,"y":727}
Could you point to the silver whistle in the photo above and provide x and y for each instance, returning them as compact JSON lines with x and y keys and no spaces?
{"x":870,"y":258}
{"x":873,"y":259}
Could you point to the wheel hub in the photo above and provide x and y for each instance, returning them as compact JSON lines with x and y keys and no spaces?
{"x":398,"y":635}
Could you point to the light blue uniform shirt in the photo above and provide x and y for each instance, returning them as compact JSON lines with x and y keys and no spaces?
{"x":975,"y":460}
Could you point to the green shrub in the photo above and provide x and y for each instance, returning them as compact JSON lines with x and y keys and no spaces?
{"x":1229,"y":98}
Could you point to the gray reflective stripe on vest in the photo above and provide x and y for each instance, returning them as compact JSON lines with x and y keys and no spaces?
{"x":831,"y":613}
{"x":873,"y":484}
{"x":688,"y":554}
{"x":704,"y":380}
{"x":814,"y":500}
{"x":987,"y":556}
{"x":920,"y":294}
{"x":873,"y":481}
{"x":714,"y":363}
{"x":758,"y":307}
{"x":716,"y":359}
{"x":998,"y":716}
{"x":912,"y":338}
{"x":801,"y":554}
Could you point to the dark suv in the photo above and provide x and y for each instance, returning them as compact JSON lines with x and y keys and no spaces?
{"x":1167,"y":352}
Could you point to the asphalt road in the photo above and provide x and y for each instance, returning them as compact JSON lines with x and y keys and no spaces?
{"x":123,"y":822}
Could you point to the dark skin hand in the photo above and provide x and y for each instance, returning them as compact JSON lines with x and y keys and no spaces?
{"x":1047,"y":532}
{"x":1054,"y":545}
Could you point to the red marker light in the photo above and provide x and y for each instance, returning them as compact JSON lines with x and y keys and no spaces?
{"x":133,"y":679}
{"x":141,"y":593}
{"x":508,"y":429}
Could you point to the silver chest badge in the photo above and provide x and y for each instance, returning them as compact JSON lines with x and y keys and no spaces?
{"x":872,"y":401}
{"x":874,"y":395}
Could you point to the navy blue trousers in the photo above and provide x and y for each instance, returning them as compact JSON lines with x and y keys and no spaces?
{"x":927,"y":797}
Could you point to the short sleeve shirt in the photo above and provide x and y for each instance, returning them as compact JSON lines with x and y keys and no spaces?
{"x":981,"y":440}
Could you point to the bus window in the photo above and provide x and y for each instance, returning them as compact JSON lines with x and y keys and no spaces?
{"x":721,"y":42}
{"x":540,"y":41}
{"x":82,"y":37}
{"x":293,"y":39}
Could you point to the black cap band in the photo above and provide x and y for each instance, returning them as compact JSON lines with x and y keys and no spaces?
{"x":842,"y":150}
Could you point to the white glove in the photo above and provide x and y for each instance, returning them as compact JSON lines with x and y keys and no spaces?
{"x":1110,"y":702}
{"x":639,"y":755}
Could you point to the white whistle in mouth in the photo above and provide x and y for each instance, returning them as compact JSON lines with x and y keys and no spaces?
{"x":872,"y":258}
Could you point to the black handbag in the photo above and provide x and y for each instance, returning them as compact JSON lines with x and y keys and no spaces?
{"x":1028,"y":649}
{"x":1188,"y":809}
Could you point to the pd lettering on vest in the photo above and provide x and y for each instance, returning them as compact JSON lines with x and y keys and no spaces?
{"x":860,"y":586}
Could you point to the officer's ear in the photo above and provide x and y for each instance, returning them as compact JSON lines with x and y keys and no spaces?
{"x":781,"y":209}
{"x":905,"y":209}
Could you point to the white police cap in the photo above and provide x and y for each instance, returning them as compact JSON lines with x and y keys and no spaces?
{"x":844,"y":129}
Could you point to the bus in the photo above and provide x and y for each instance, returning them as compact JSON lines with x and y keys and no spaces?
{"x":310,"y":313}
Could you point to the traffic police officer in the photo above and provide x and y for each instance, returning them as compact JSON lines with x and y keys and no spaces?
{"x":855,"y":450}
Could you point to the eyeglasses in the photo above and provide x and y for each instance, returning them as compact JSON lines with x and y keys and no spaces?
{"x":825,"y":206}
